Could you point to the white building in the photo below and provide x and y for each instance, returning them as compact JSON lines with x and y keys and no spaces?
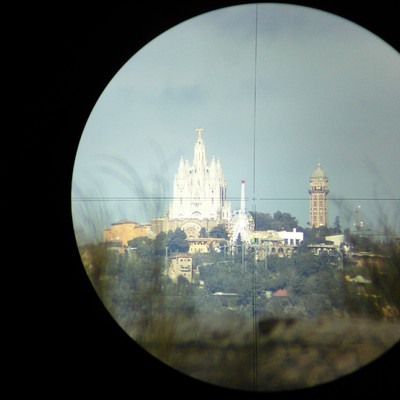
{"x":199,"y":197}
{"x":292,"y":238}
{"x":281,"y":243}
{"x":336,"y":239}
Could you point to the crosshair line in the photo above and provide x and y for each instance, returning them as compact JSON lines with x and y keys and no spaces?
{"x":236,"y":198}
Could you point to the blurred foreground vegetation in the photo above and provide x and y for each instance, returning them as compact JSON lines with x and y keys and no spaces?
{"x":135,"y":284}
{"x":190,"y":328}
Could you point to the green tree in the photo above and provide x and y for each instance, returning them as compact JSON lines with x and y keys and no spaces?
{"x":219,"y":231}
{"x":160,"y":242}
{"x":262,"y":221}
{"x":144,"y":246}
{"x":337,"y":228}
{"x":361,"y":243}
{"x":284,"y":221}
{"x":203,"y":232}
{"x":316,"y":235}
{"x":306,"y":264}
{"x":177,"y":241}
{"x":279,"y":221}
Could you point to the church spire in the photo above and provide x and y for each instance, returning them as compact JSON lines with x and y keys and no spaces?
{"x":181,"y":168}
{"x":199,"y":161}
{"x":199,"y":133}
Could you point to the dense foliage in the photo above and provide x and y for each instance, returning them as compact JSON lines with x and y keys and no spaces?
{"x":219,"y":231}
{"x":279,"y":221}
{"x":135,"y":285}
{"x":173,"y":242}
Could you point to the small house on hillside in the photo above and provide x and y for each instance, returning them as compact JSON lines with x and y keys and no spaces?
{"x":180,"y":264}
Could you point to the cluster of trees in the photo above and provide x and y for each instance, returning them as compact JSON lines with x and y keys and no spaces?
{"x":285,"y":221}
{"x":278,"y":222}
{"x":315,"y":284}
{"x":135,"y":289}
{"x":136,"y":285}
{"x":173,"y":242}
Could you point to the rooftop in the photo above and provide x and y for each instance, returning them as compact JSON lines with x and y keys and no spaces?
{"x":280,"y":293}
{"x":318,"y":173}
{"x":124,"y":221}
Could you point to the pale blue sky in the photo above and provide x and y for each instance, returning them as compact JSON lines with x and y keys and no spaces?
{"x":326,"y":89}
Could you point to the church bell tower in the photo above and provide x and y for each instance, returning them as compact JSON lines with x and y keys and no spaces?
{"x":318,"y":198}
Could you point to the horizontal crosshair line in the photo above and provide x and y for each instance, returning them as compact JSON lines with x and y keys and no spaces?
{"x":333,"y":198}
{"x":144,"y":198}
{"x":121,"y":198}
{"x":138,"y":198}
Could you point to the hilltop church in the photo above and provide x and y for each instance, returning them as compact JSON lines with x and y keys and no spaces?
{"x":200,"y":201}
{"x":199,"y":195}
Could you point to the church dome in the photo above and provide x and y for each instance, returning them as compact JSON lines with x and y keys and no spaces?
{"x":318,"y":173}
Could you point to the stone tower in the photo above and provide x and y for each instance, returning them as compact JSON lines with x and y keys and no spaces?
{"x":318,"y":198}
{"x":199,"y":193}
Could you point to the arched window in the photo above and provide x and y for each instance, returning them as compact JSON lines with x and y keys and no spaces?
{"x":196,"y":215}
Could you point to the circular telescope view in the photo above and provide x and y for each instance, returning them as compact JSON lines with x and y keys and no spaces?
{"x":235,"y":197}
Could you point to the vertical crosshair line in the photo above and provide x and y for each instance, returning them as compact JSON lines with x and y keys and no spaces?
{"x":255,"y":103}
{"x":255,"y":338}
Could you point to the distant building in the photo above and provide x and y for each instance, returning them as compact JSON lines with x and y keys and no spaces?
{"x":199,"y":195}
{"x":281,"y":243}
{"x":321,"y":248}
{"x":318,"y":198}
{"x":334,"y":247}
{"x":180,"y":265}
{"x":205,"y":245}
{"x":124,"y":231}
{"x":292,"y":238}
{"x":337,"y":240}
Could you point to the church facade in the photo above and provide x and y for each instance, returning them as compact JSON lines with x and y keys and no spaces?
{"x":199,"y":195}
